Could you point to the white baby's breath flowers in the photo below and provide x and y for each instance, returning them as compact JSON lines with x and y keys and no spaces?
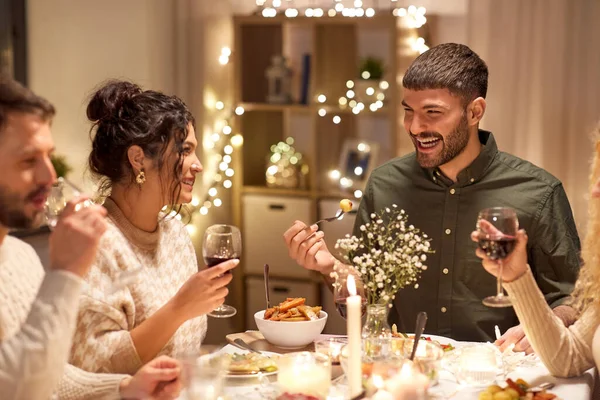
{"x":388,"y":255}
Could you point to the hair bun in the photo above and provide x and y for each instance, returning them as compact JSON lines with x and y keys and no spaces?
{"x":110,"y":98}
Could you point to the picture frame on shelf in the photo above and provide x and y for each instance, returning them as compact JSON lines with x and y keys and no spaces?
{"x":358,"y":158}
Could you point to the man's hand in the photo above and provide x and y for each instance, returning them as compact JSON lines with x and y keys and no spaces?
{"x":74,"y":241}
{"x":516,"y":336}
{"x":307,"y":247}
{"x":157,"y":380}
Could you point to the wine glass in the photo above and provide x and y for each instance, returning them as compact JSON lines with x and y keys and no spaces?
{"x":203,"y":376}
{"x":221,"y":243}
{"x":497,"y":235}
{"x":60,"y":194}
{"x":340,"y":290}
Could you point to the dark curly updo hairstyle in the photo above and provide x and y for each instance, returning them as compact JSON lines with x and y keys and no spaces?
{"x":124,"y":115}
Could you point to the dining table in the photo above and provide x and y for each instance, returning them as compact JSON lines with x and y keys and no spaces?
{"x":535,"y":373}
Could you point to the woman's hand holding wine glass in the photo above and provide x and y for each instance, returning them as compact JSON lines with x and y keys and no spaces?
{"x":221,"y":244}
{"x":497,"y":232}
{"x":513,"y":266}
{"x":204,"y":291}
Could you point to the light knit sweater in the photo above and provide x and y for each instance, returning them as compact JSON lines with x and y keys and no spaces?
{"x":37,"y":319}
{"x":566,"y":352}
{"x":102,"y":342}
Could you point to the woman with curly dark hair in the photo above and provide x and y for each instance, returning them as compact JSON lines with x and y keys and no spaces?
{"x":143,"y":153}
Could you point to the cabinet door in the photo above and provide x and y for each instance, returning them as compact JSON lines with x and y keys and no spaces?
{"x":266,"y":218}
{"x":280,"y":289}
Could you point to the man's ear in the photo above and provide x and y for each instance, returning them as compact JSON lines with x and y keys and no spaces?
{"x":476,"y":110}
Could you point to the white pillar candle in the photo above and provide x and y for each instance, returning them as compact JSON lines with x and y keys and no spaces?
{"x":353,"y":327}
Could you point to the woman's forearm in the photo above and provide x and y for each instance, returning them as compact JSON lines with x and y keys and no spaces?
{"x":154,"y":333}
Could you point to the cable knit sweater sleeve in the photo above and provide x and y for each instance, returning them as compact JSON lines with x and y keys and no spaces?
{"x":565,"y":351}
{"x":32,"y":361}
{"x":102,"y":341}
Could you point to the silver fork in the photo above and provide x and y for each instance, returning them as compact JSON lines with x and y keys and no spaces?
{"x":338,"y":217}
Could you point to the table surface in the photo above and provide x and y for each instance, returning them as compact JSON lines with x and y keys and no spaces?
{"x":579,"y":388}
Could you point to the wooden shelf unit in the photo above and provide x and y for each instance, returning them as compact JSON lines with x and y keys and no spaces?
{"x":336,"y":45}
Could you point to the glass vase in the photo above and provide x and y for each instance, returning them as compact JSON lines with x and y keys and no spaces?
{"x":376,"y":332}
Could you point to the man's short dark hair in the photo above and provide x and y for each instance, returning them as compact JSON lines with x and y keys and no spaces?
{"x":449,"y":66}
{"x":15,"y":97}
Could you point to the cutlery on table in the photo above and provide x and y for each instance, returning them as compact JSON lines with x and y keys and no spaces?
{"x":266,"y":275}
{"x":243,"y":345}
{"x":419,"y":328}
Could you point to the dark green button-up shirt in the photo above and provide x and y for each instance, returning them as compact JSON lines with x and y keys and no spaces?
{"x":454,"y":284}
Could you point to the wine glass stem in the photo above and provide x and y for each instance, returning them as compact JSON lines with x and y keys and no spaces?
{"x":500,"y":289}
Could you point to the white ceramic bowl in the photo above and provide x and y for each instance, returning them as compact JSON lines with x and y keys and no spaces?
{"x":290,"y":335}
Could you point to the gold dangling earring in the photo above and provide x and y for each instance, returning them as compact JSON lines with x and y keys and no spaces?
{"x":140,"y":178}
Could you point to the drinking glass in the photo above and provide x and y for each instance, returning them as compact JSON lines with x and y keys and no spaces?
{"x":497,"y":234}
{"x":61,"y":193}
{"x":341,"y":294}
{"x":477,"y":365}
{"x":221,"y":243}
{"x":203,"y":376}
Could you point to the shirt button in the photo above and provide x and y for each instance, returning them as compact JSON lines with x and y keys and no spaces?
{"x":444,"y":309}
{"x":445,"y":271}
{"x":452,"y":191}
{"x":448,"y":231}
{"x":472,"y":180}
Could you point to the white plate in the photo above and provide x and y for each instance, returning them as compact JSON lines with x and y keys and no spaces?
{"x":230,"y":349}
{"x":440,"y":339}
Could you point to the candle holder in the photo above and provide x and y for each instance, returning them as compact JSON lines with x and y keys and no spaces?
{"x":304,"y":373}
{"x":428,"y":358}
{"x":331,"y":347}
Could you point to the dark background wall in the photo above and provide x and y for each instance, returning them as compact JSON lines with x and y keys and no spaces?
{"x":13,"y":39}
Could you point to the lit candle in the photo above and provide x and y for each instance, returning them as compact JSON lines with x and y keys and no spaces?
{"x":353,"y":327}
{"x":408,"y":384}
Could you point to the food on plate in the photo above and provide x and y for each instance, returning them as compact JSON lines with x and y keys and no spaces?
{"x":346,"y":205}
{"x":295,"y":396}
{"x":291,"y":310}
{"x":251,"y":363}
{"x":445,"y":347}
{"x":519,"y":390}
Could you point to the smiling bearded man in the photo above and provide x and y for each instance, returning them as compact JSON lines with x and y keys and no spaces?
{"x":456,"y":171}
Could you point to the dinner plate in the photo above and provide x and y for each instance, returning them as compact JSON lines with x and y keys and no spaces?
{"x":232,"y":349}
{"x":440,"y":339}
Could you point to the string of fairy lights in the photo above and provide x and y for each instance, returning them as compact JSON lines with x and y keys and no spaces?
{"x":224,"y":143}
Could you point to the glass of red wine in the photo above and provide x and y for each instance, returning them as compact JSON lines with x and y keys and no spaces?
{"x":497,"y":234}
{"x":221,"y":243}
{"x":341,"y":294}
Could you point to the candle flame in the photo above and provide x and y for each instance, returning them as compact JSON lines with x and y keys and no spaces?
{"x":351,"y":285}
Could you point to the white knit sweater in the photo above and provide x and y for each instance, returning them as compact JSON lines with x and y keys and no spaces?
{"x":37,"y":320}
{"x":102,"y":341}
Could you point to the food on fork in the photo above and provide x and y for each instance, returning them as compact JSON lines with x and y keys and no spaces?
{"x":346,"y":205}
{"x":291,"y":310}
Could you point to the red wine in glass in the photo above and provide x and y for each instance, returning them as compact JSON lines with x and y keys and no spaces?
{"x":221,"y":243}
{"x":214,"y":261}
{"x":497,"y":229}
{"x":342,"y":307}
{"x":497,"y":247}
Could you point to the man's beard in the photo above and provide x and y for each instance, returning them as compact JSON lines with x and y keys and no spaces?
{"x":452,"y":146}
{"x":12,"y":209}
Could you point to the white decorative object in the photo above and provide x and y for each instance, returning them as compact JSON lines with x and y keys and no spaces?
{"x":278,"y":76}
{"x":354,"y":304}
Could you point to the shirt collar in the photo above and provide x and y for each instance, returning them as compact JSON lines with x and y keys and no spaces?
{"x":476,"y":169}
